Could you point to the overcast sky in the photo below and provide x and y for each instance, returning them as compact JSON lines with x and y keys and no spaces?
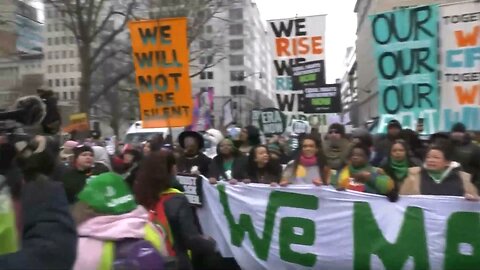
{"x":340,"y":29}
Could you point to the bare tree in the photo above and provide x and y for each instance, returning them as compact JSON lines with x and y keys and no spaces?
{"x":95,"y":24}
{"x":210,"y":47}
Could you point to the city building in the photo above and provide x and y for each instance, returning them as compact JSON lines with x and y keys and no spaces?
{"x":244,"y":75}
{"x":61,"y":64}
{"x":367,"y":79}
{"x":21,"y":55}
{"x":349,"y":89}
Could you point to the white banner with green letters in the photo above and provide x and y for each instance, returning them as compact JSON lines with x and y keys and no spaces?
{"x":306,"y":227}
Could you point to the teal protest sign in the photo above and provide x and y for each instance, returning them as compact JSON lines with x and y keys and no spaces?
{"x":405,"y":44}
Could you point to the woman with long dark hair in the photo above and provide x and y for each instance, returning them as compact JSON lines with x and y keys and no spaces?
{"x":398,"y":162}
{"x":260,"y":168}
{"x":310,"y":165}
{"x":153,"y":191}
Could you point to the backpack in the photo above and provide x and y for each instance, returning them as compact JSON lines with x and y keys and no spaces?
{"x":136,"y":254}
{"x":159,"y":218}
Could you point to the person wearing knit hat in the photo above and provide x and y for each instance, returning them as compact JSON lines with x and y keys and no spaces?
{"x":394,"y":129}
{"x":82,"y":167}
{"x":336,"y":146}
{"x":106,"y":213}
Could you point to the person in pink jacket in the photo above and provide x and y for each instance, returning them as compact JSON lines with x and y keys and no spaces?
{"x":107,"y":215}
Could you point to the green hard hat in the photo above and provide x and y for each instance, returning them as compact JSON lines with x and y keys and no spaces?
{"x":108,"y":193}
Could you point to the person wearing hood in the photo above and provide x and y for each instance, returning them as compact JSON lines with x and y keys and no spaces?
{"x":42,"y":221}
{"x":192,"y":160}
{"x":109,"y":221}
{"x":336,"y":146}
{"x":466,"y":152}
{"x":249,"y":137}
{"x":101,"y":158}
{"x":83,"y":167}
{"x":439,"y":175}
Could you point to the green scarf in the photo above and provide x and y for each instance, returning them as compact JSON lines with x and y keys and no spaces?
{"x":437,"y":176}
{"x":400,"y":169}
{"x":354,"y":170}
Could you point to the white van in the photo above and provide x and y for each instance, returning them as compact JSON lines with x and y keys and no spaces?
{"x":136,"y":134}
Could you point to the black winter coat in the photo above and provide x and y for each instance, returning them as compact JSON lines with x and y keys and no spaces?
{"x":49,"y":238}
{"x":185,"y":165}
{"x":216,"y":168}
{"x":186,"y":234}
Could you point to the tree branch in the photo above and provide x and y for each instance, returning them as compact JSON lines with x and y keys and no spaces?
{"x":113,"y":34}
{"x":111,"y":84}
{"x":207,"y":66}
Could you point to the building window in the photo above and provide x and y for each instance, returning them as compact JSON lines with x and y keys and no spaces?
{"x":49,"y":28}
{"x":72,"y":68}
{"x":64,"y":95}
{"x":72,"y":40}
{"x":57,"y":40}
{"x":50,"y":83}
{"x":57,"y":54}
{"x":56,"y":27}
{"x":64,"y":40}
{"x":72,"y":81}
{"x":72,"y":54}
{"x":64,"y":54}
{"x":72,"y":95}
{"x":206,"y":60}
{"x":57,"y":68}
{"x":57,"y":82}
{"x":65,"y":82}
{"x":79,"y":81}
{"x":238,"y":90}
{"x":236,"y":44}
{"x":49,"y":41}
{"x":64,"y":68}
{"x":236,"y":29}
{"x":236,"y":14}
{"x":206,"y":75}
{"x":50,"y":55}
{"x":49,"y":13}
{"x":236,"y":60}
{"x":206,"y":44}
{"x":236,"y":75}
{"x":50,"y":69}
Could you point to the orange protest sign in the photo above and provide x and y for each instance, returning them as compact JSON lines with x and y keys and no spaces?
{"x":78,"y":122}
{"x":161,"y":59}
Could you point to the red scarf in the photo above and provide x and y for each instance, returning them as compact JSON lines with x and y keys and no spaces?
{"x":308,"y":161}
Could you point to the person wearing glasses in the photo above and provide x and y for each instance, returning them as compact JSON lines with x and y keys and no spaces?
{"x":83,"y":166}
{"x":336,"y":146}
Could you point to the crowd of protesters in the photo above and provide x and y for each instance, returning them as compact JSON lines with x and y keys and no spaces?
{"x":131,"y":200}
